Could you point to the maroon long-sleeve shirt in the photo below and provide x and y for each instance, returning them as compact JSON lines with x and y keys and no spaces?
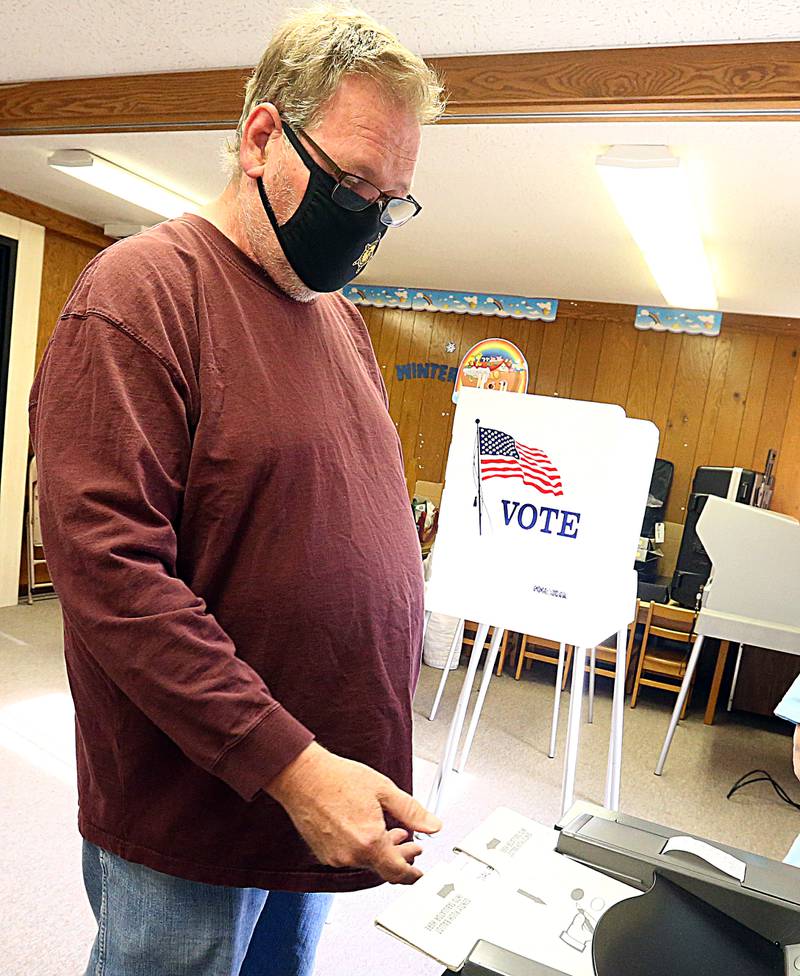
{"x":227,"y":526}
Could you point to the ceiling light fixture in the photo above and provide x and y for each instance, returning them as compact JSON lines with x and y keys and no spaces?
{"x":651,"y":191}
{"x":122,"y":183}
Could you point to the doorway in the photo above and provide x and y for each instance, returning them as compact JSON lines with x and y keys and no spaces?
{"x":8,"y":266}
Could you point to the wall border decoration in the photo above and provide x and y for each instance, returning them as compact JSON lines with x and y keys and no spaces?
{"x":689,"y":321}
{"x":459,"y":302}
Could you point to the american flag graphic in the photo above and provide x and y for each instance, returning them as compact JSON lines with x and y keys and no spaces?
{"x":501,"y":456}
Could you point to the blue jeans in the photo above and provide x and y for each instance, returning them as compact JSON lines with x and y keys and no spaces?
{"x":152,"y":924}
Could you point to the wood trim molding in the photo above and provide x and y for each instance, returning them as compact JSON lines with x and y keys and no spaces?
{"x":715,"y":81}
{"x":38,"y":213}
{"x":693,"y":81}
{"x":124,"y":103}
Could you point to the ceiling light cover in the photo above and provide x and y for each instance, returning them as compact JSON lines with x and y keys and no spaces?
{"x":120,"y":182}
{"x":650,"y":189}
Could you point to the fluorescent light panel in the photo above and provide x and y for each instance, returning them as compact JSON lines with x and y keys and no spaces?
{"x":120,"y":182}
{"x":651,"y":191}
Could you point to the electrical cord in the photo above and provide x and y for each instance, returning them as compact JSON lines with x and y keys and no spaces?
{"x":762,"y":776}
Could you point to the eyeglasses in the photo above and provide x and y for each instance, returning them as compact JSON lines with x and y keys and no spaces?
{"x":355,"y":193}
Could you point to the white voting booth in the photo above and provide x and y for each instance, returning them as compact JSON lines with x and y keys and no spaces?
{"x":753,"y":600}
{"x":539,"y":522}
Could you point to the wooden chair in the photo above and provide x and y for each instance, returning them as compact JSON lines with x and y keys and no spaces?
{"x":535,"y":653}
{"x":33,"y":533}
{"x":603,"y":660}
{"x":535,"y":649}
{"x":509,"y":645}
{"x":658,"y":661}
{"x":471,"y":632}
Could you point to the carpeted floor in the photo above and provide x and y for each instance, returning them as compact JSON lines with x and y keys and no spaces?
{"x":46,"y":925}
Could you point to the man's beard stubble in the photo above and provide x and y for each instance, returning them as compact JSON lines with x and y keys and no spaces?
{"x":261,"y":240}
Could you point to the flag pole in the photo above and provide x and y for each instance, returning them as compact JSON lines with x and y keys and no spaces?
{"x":478,"y":455}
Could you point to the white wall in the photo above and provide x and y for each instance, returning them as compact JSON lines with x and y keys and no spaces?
{"x":24,"y":330}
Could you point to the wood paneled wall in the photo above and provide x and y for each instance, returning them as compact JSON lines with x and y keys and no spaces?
{"x":69,"y":244}
{"x":64,"y":259}
{"x":722,"y":401}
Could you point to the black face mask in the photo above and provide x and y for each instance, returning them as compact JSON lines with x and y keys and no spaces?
{"x":326,"y":245}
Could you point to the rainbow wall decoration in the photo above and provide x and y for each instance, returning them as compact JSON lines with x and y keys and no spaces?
{"x":493,"y":364}
{"x":460,"y":302}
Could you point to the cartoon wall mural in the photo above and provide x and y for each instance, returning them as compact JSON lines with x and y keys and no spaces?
{"x":493,"y":364}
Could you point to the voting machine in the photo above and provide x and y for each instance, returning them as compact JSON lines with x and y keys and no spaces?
{"x":707,"y":909}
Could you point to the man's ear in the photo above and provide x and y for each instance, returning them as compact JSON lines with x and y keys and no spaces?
{"x":261,"y":127}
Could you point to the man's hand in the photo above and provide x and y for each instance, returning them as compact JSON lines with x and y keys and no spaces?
{"x":337,"y":805}
{"x":796,"y":751}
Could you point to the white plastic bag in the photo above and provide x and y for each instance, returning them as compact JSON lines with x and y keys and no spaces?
{"x":438,"y":639}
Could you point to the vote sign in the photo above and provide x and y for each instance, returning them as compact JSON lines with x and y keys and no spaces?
{"x":540,"y":516}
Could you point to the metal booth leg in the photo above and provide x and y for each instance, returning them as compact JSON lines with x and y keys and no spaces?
{"x":562,"y":656}
{"x":457,"y":723}
{"x":573,"y":728}
{"x":455,"y":647}
{"x":614,"y":768}
{"x":592,"y":675}
{"x":488,"y":671}
{"x":676,"y":712}
{"x":735,"y":677}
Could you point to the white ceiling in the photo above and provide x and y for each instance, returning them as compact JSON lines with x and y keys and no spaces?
{"x":190,"y":163}
{"x":514,"y":209}
{"x":507,"y":208}
{"x":53,"y":39}
{"x":520,"y":209}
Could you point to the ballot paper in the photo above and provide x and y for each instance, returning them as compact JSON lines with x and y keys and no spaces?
{"x":507,"y":885}
{"x":721,"y":860}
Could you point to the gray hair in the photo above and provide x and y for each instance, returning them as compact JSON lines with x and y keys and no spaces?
{"x":310,"y":54}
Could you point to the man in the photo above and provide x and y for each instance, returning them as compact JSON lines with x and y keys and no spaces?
{"x":232,"y":542}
